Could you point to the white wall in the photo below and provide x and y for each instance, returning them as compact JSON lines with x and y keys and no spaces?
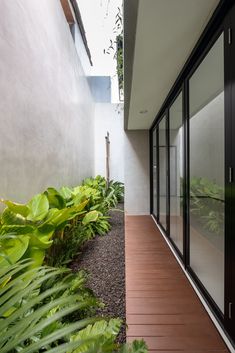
{"x":109,"y":117}
{"x":46,"y":110}
{"x":81,"y":50}
{"x":136,"y":159}
{"x":129,"y":156}
{"x":207,"y":142}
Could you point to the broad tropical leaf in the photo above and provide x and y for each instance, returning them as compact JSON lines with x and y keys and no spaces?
{"x":13,"y":249}
{"x":41,"y":240}
{"x":17,"y":229}
{"x":55,"y":198}
{"x":91,"y":216}
{"x":57,"y":218}
{"x":66,"y":192}
{"x":9,"y":217}
{"x":38,"y":208}
{"x":17,"y":208}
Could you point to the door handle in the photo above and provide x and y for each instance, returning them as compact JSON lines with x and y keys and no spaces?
{"x":230,"y":177}
{"x":230,"y":310}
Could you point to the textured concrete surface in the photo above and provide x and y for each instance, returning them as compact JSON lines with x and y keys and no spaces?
{"x":136,"y":159}
{"x":46,"y":109}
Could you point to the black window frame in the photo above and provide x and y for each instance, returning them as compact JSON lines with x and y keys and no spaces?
{"x":216,"y":25}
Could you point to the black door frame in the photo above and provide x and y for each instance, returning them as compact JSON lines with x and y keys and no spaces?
{"x":229,"y":53}
{"x":164,"y":229}
{"x":221,"y":21}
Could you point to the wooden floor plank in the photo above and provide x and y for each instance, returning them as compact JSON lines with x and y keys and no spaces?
{"x":168,"y":319}
{"x":161,"y":305}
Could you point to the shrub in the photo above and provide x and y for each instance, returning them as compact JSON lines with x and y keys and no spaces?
{"x":33,"y":314}
{"x":48,"y":309}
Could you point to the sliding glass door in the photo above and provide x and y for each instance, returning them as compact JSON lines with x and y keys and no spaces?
{"x":176,"y":156}
{"x":154,"y":173}
{"x":207,"y":194}
{"x":195,"y":178}
{"x":163,"y":153}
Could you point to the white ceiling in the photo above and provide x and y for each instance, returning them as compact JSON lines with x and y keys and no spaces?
{"x":166,"y":33}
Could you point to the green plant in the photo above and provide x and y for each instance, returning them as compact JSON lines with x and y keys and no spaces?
{"x":33,"y":315}
{"x":45,"y":225}
{"x":98,"y":182}
{"x":118,"y":188}
{"x":118,"y":50}
{"x":109,"y":195}
{"x":46,"y":309}
{"x":95,"y":220}
{"x":37,"y":309}
{"x":34,"y":224}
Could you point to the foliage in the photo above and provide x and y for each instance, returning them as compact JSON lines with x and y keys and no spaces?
{"x":104,"y":334}
{"x":118,"y":188}
{"x":109,"y":195}
{"x":55,"y":223}
{"x":34,"y":223}
{"x":137,"y":346}
{"x":33,"y":314}
{"x":119,"y":58}
{"x":207,"y":202}
{"x":48,"y":309}
{"x":116,"y":46}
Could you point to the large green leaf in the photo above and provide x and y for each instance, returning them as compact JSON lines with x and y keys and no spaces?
{"x":36,"y":254}
{"x":9,"y":217}
{"x":16,"y":229}
{"x":55,"y":198}
{"x":56,"y":217}
{"x":38,"y":208}
{"x":17,"y":208}
{"x":40,"y":240}
{"x":91,"y":216}
{"x":66,"y":192}
{"x":14,"y":249}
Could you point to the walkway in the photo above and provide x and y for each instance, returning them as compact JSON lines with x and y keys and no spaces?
{"x":161,"y":305}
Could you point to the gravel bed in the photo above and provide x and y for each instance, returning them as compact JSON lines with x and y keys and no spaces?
{"x":104,"y":259}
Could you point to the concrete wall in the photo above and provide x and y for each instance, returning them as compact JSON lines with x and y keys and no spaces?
{"x":136,"y":157}
{"x":81,"y":50}
{"x":109,"y":117}
{"x":46,"y":110}
{"x":129,"y":156}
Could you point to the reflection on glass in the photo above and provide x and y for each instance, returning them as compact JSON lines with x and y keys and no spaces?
{"x":162,"y":171}
{"x":176,"y":172}
{"x":154,"y":173}
{"x":206,"y":88}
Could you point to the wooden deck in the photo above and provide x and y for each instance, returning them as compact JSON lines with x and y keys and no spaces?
{"x":161,"y":305}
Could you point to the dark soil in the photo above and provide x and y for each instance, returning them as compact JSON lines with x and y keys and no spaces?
{"x":104,"y":259}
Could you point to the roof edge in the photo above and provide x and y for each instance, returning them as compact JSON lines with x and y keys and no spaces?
{"x":81,"y":27}
{"x":130,"y":23}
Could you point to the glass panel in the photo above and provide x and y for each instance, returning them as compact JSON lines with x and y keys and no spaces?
{"x":154,"y":172}
{"x":176,"y":172}
{"x":162,"y":171}
{"x":206,"y":88}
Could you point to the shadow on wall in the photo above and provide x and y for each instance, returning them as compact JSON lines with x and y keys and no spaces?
{"x":136,"y":156}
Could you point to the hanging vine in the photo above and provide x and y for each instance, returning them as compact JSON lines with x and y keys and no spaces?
{"x":116,"y":47}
